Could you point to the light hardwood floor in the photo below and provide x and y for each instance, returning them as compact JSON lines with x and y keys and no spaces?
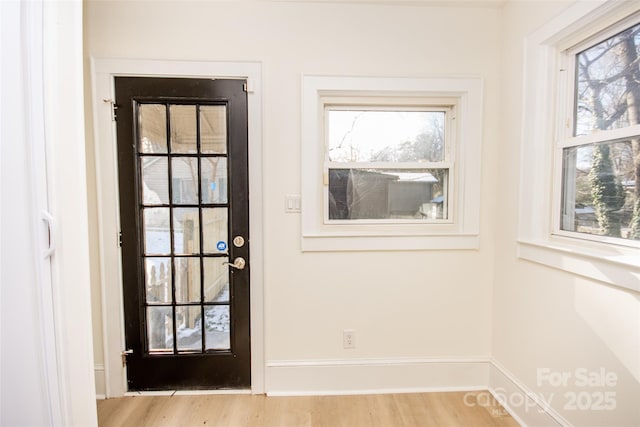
{"x":472,"y":409}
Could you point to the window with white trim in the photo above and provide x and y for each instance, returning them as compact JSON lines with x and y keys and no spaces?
{"x":567,"y":118}
{"x":390,"y":163}
{"x":599,"y":140}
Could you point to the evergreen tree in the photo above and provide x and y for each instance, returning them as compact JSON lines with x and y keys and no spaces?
{"x":607,"y":192}
{"x":634,"y":226}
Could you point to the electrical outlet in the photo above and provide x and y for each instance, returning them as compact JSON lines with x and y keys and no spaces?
{"x":349,"y":338}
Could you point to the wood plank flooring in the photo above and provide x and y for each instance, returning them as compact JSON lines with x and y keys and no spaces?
{"x":466,"y":409}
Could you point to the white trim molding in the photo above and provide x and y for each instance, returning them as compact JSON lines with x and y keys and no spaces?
{"x":527,"y":408}
{"x":320,"y":377}
{"x":613,"y":264}
{"x":609,"y":267}
{"x":98,"y":371}
{"x":103,"y":73}
{"x":375,"y":376}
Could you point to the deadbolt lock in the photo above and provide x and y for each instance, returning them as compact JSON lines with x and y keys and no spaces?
{"x":238,"y":241}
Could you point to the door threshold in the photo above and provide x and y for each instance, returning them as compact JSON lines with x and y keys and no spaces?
{"x":187,"y":392}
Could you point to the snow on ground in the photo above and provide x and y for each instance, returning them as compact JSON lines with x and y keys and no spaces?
{"x":217,"y":317}
{"x":217,"y":327}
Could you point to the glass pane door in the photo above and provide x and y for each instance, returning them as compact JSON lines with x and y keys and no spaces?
{"x":182,"y":157}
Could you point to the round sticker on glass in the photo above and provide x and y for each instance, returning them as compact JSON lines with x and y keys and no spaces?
{"x":222,"y":246}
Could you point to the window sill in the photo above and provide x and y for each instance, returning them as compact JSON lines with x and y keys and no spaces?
{"x":336,"y":242}
{"x":608,"y":264}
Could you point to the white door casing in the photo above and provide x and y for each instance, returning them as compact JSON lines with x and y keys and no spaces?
{"x":103,"y":73}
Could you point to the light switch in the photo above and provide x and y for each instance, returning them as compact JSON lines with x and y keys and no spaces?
{"x":292,"y":203}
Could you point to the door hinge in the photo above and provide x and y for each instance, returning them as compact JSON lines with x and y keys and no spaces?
{"x":120,"y":238}
{"x":249,"y":86}
{"x":114,"y":108}
{"x":123,"y":355}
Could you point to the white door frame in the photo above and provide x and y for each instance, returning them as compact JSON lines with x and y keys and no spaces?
{"x":103,"y":72}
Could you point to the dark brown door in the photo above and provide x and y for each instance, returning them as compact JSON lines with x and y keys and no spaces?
{"x":184,"y":214}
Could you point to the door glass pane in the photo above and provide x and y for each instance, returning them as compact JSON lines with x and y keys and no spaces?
{"x":189,"y":328}
{"x":183,"y":128}
{"x":160,"y":329}
{"x":213,"y":129}
{"x":214,"y":180}
{"x":158,"y":279}
{"x":187,"y":279}
{"x":153,"y":128}
{"x":184,"y":185}
{"x":155,"y":190}
{"x":217,"y":327}
{"x":157,"y":240}
{"x":186,"y":231}
{"x":214,"y":230}
{"x":216,"y":280}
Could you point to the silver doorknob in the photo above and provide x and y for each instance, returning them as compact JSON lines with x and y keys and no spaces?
{"x":238,"y":263}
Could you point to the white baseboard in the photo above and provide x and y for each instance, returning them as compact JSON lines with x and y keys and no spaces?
{"x":522,"y":403}
{"x":99,"y":375}
{"x":375,"y":376}
{"x":379,"y":376}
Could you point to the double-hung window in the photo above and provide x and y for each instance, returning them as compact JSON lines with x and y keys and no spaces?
{"x":580,"y":166}
{"x":599,"y":142}
{"x":390,"y":163}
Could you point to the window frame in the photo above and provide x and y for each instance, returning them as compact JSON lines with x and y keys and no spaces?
{"x":566,"y":125}
{"x":541,"y":167}
{"x":446,"y":106}
{"x":461,"y":232}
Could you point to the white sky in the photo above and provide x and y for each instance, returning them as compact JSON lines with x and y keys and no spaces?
{"x":373,"y":130}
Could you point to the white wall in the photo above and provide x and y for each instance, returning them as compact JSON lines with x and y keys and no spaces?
{"x":413,"y":305}
{"x":46,"y":359}
{"x":24,"y":399}
{"x":67,"y":192}
{"x":545,"y":318}
{"x":403,"y":305}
